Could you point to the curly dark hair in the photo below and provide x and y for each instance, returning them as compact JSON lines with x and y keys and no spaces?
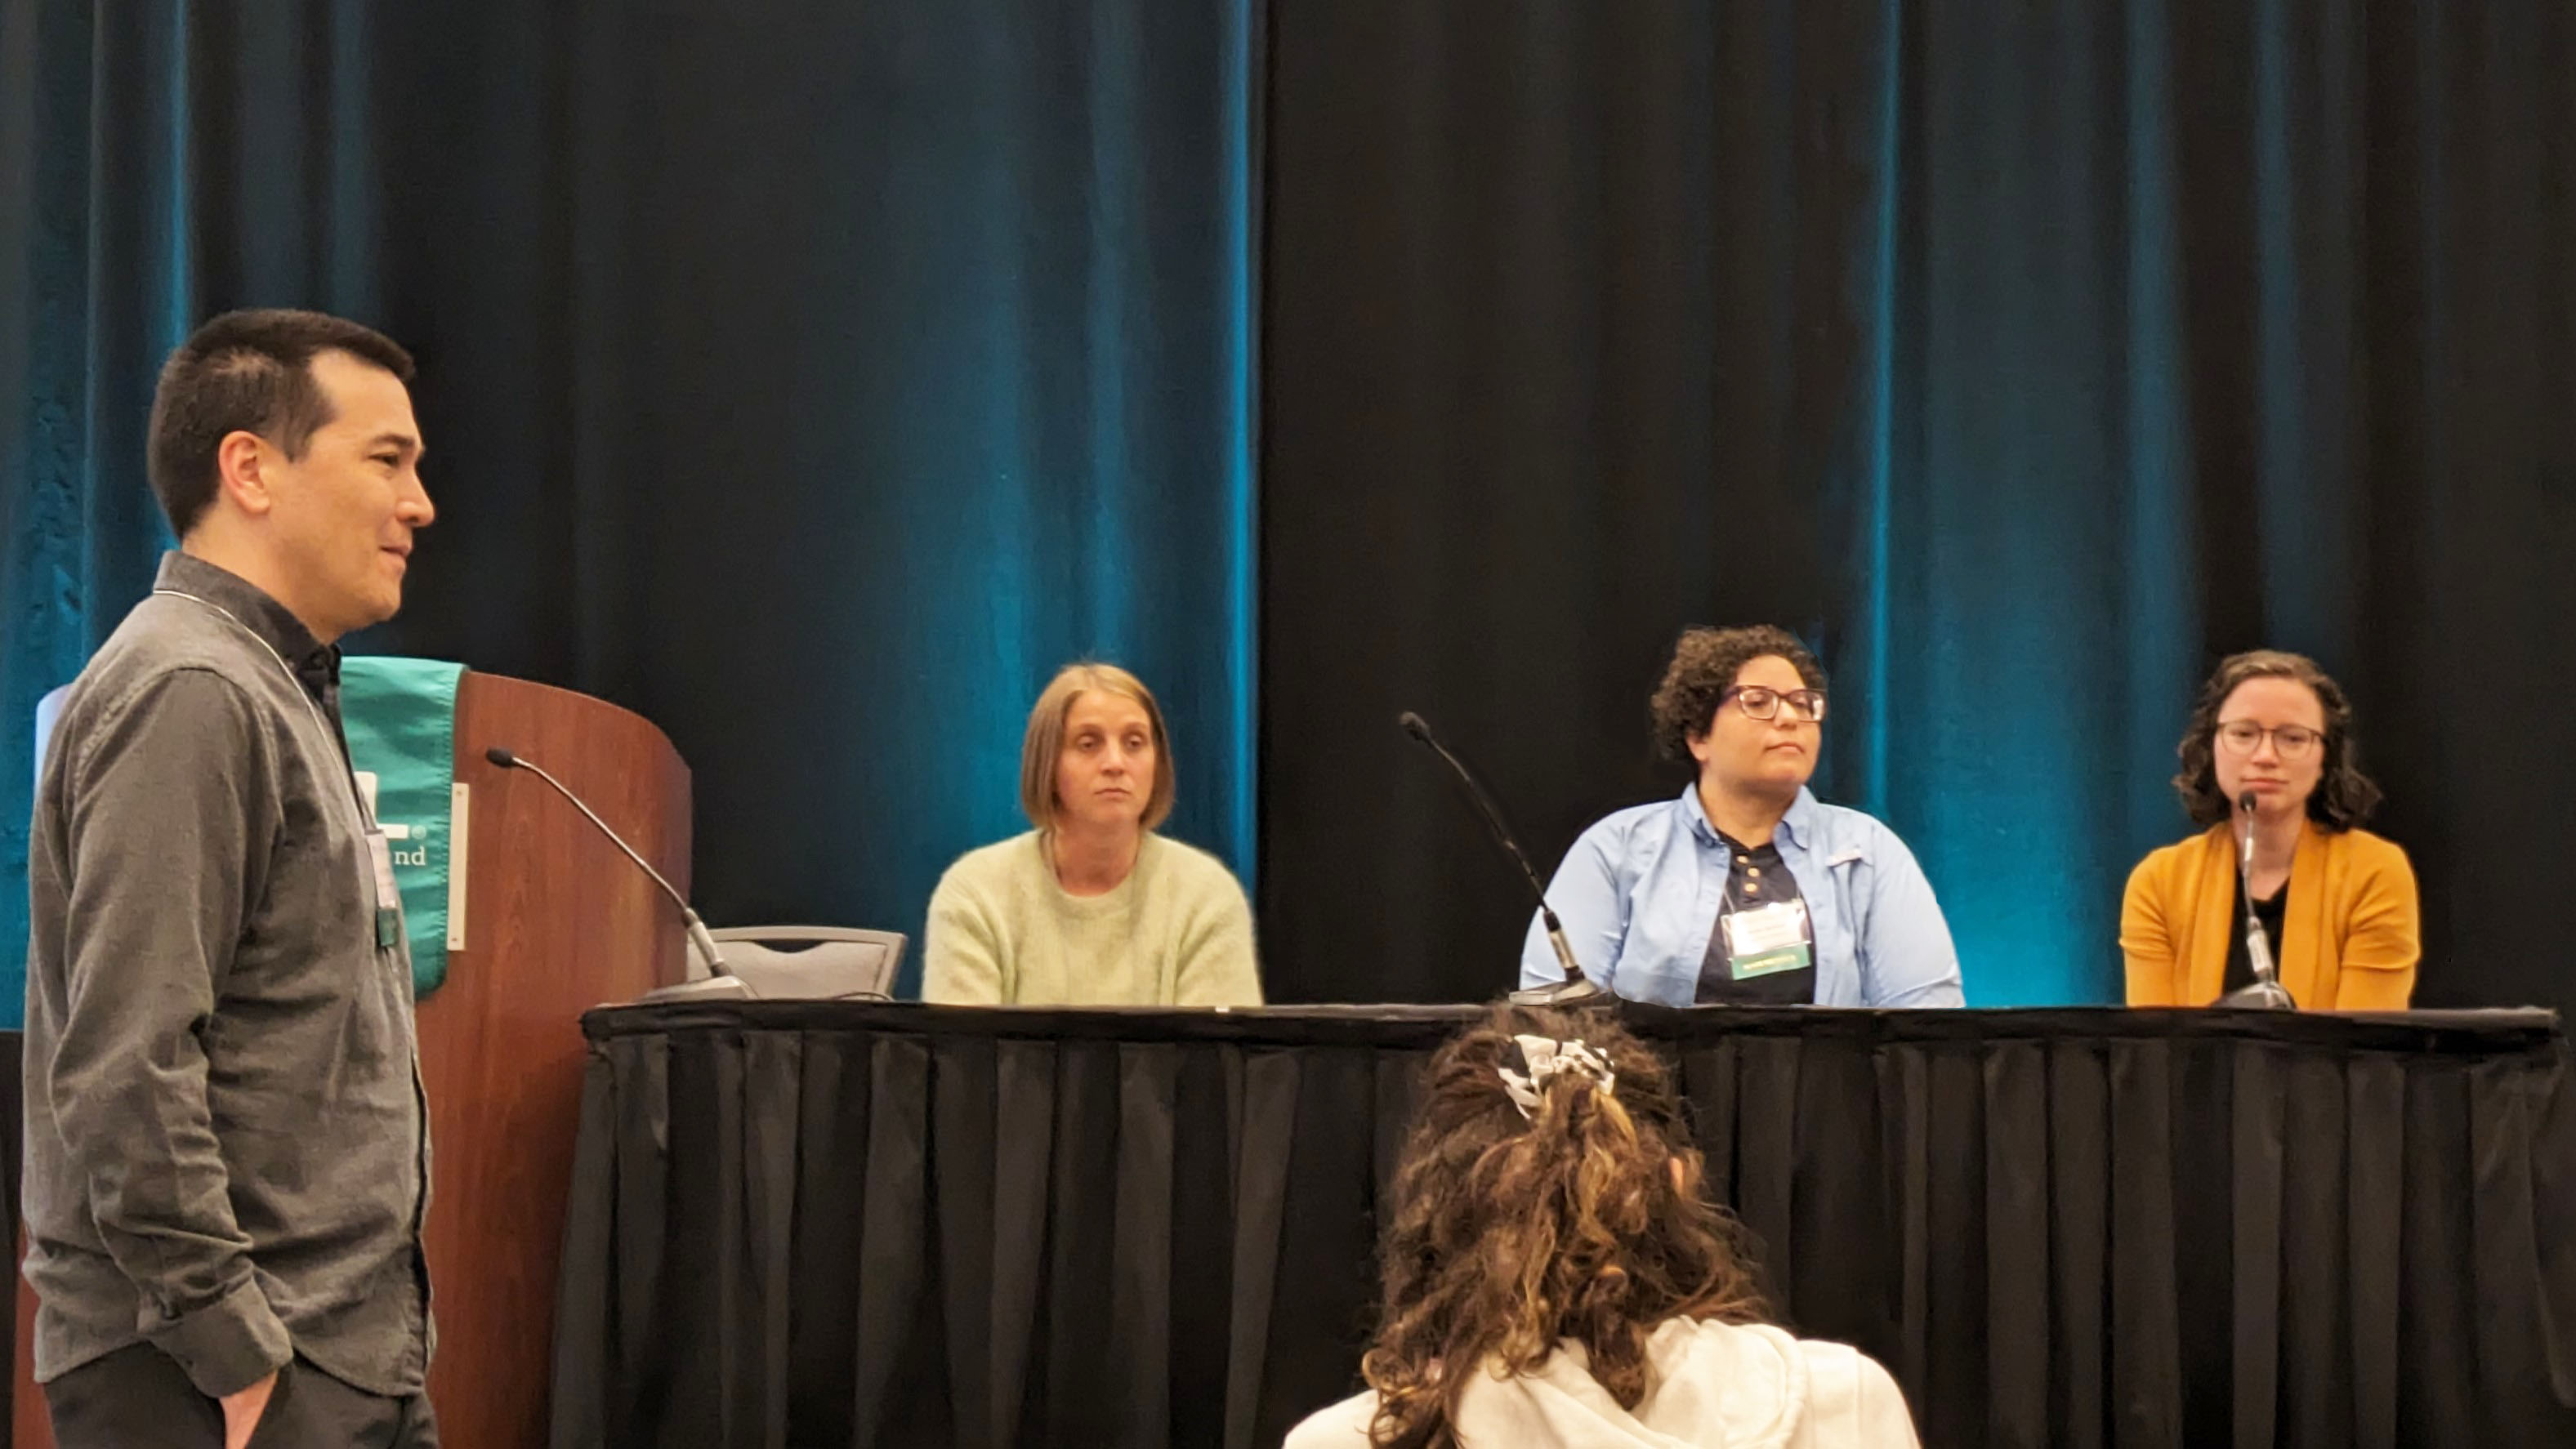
{"x":2344,"y":796}
{"x":1511,"y":1233}
{"x":1705,"y":663}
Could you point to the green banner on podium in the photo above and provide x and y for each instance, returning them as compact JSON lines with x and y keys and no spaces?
{"x":400,"y":715}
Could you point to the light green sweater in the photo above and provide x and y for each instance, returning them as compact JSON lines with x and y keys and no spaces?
{"x":1176,"y":932}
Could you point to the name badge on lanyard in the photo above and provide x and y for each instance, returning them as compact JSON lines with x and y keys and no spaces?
{"x":380,"y":857}
{"x":1770,"y":939}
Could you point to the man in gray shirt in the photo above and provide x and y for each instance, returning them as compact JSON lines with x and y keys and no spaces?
{"x":227,"y":1148}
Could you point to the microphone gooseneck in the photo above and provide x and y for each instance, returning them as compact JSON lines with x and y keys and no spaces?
{"x":1576,"y":987}
{"x":1485,"y":807}
{"x":2266,"y":993}
{"x":699,"y":936}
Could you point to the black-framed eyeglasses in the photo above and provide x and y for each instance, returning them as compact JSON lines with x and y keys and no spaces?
{"x":1758,"y":702}
{"x":2242,"y":737}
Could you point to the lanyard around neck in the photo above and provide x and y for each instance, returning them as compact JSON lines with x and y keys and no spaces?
{"x":293,"y":680}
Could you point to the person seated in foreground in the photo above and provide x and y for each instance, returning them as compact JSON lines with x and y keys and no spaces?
{"x":2336,"y":903}
{"x":1093,"y":907}
{"x":1555,"y":1276}
{"x":1746,"y":889}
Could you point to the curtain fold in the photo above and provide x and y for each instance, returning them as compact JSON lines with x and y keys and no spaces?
{"x":813,"y":382}
{"x":2026,"y":359}
{"x":839,"y":1223}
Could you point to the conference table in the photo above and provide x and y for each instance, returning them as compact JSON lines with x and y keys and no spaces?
{"x":894,"y":1224}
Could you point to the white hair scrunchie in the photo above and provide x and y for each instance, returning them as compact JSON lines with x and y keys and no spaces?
{"x":1535,"y":1060}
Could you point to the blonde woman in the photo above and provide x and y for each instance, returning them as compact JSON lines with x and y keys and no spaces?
{"x":1091,"y":908}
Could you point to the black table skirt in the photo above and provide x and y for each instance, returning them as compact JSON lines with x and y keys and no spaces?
{"x":829,"y":1224}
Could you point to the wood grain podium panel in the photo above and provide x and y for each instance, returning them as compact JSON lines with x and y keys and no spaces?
{"x":556,"y":921}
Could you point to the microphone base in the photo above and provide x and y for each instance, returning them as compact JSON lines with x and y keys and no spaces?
{"x":712,"y":988}
{"x":2261,"y":996}
{"x":1579,"y":991}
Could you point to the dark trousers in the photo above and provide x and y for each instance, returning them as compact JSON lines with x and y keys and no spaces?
{"x":138,"y":1398}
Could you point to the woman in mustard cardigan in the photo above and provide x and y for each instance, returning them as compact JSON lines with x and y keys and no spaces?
{"x":2337,"y":902}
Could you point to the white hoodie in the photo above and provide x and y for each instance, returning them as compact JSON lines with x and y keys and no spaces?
{"x":1709,"y":1386}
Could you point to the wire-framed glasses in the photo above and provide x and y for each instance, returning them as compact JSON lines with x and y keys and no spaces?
{"x":2242,"y":737}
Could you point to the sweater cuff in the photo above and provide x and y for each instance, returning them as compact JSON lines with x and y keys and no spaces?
{"x":228,"y":1345}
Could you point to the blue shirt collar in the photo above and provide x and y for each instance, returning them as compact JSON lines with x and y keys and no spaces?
{"x":1798,"y":825}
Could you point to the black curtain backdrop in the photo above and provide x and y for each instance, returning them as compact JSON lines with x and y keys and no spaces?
{"x":812,"y":378}
{"x":2026,"y":358}
{"x":816,"y":381}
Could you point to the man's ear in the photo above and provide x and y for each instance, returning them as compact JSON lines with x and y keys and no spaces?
{"x":245,"y":466}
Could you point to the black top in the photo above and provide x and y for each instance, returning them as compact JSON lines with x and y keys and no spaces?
{"x":1755,"y":877}
{"x":2240,"y":962}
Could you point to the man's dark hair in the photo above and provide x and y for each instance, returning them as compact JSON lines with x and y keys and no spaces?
{"x":248,"y":371}
{"x":1705,"y":663}
{"x":2344,"y":796}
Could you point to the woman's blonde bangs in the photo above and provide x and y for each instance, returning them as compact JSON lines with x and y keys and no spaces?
{"x":1044,"y":742}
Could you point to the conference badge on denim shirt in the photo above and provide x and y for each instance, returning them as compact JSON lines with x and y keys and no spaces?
{"x":1771,"y":939}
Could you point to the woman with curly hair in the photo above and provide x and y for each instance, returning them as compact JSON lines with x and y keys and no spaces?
{"x":1746,"y":889}
{"x":1555,"y":1275}
{"x":2336,"y":903}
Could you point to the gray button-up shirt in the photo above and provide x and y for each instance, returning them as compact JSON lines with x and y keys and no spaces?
{"x":227,"y":1149}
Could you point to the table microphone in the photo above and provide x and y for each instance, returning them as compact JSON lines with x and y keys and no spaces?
{"x":1576,"y":987}
{"x":717,"y":970}
{"x":2267,"y":993}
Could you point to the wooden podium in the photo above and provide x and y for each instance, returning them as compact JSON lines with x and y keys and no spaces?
{"x":556,"y":922}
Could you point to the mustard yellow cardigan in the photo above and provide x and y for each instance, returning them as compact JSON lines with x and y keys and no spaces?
{"x":2349,"y":941}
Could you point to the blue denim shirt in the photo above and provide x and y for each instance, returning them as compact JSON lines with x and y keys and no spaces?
{"x":1639,"y":894}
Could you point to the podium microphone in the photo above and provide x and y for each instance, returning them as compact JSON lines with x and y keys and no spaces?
{"x":699,"y":937}
{"x":2267,"y":993}
{"x":1576,"y":988}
